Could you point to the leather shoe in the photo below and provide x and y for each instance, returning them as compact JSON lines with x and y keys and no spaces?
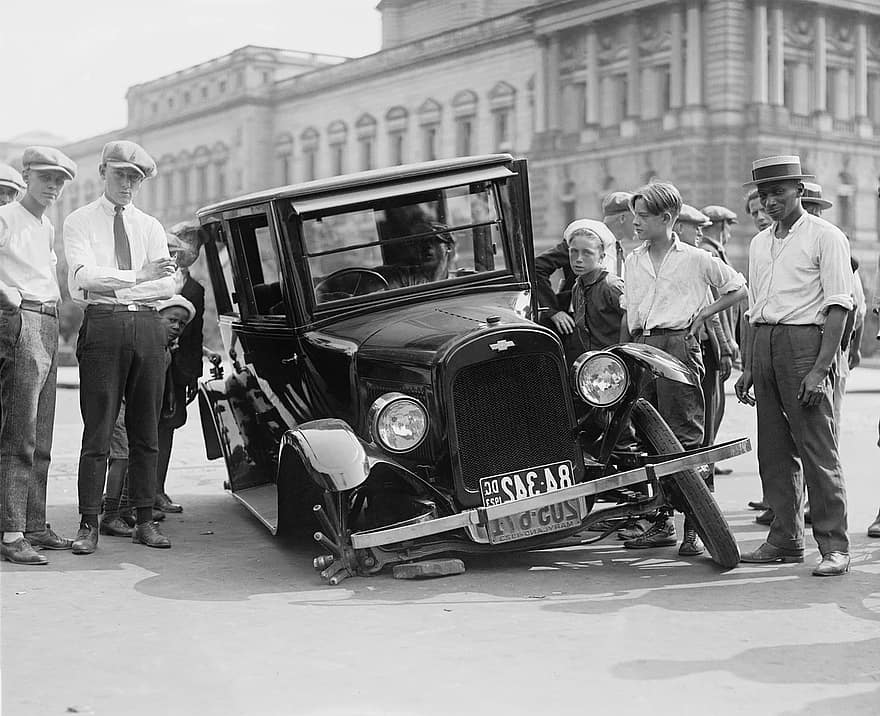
{"x":759,"y":505}
{"x":723,"y":470}
{"x":163,"y":502}
{"x":115,"y":527}
{"x":691,"y":545}
{"x":158,"y":515}
{"x":765,"y":518}
{"x":833,"y":564}
{"x":874,"y":527}
{"x":86,"y":540}
{"x":148,"y":533}
{"x":21,"y":552}
{"x":47,"y":539}
{"x":768,"y":554}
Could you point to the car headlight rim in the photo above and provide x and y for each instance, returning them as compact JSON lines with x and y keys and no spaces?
{"x":381,"y":416}
{"x":587,"y":381}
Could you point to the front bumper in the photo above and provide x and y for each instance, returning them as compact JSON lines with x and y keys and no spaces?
{"x":481,"y":516}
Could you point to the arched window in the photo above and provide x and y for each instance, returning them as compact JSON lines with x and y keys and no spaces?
{"x":309,"y":145}
{"x":429,"y":121}
{"x":366,"y":136}
{"x":284,"y":157}
{"x":502,"y":102}
{"x":337,"y":138}
{"x":397,"y":121}
{"x":464,"y":108}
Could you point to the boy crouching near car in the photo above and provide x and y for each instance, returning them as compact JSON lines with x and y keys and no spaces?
{"x":596,"y":294}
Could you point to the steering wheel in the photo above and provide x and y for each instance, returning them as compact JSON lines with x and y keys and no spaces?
{"x":349,"y":282}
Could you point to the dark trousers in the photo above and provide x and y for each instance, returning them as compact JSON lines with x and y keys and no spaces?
{"x":166,"y":440}
{"x":680,"y":405}
{"x":121,"y":354}
{"x":782,"y":355}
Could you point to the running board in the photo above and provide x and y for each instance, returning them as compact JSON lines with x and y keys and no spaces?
{"x":262,"y":501}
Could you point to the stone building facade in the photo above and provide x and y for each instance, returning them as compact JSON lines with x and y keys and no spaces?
{"x":598,"y":94}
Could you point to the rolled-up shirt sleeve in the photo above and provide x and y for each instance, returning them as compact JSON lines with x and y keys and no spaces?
{"x":835,"y":270}
{"x":721,"y":276}
{"x":84,"y":273}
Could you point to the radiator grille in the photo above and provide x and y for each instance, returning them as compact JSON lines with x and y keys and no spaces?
{"x":510,"y":414}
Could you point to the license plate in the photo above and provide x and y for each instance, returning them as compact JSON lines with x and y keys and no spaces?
{"x":512,"y":486}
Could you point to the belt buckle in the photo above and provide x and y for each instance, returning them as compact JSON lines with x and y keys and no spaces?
{"x":646,"y":333}
{"x":132,"y":307}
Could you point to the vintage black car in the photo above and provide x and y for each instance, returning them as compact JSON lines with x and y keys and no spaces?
{"x":390,"y":388}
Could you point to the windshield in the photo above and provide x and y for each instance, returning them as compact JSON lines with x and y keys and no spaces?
{"x":444,"y":235}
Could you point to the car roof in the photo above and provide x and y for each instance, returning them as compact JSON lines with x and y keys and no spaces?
{"x":347,"y":182}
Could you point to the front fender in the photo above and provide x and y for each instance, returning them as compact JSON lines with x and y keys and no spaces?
{"x":334,"y":457}
{"x":660,"y":363}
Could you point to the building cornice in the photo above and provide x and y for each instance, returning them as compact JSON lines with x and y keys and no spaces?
{"x":468,"y":38}
{"x":209,"y":110}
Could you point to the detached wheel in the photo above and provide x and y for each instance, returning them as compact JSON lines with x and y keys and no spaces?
{"x":708,"y":518}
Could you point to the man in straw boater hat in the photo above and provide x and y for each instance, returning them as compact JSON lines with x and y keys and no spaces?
{"x":800,"y":291}
{"x":11,"y":184}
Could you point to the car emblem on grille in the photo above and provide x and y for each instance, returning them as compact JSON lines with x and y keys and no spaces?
{"x":502,"y":345}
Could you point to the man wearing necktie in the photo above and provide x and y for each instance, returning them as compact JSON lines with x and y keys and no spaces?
{"x":118,"y":267}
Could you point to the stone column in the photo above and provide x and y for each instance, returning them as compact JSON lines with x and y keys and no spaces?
{"x":777,"y":56}
{"x":676,"y":66}
{"x":759,"y":51}
{"x":592,"y":90}
{"x":861,"y":76}
{"x":633,"y":76}
{"x":820,"y":64}
{"x":553,"y":89}
{"x":694,"y":59}
{"x":540,"y":94}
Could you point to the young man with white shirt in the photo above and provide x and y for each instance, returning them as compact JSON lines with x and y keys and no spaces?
{"x":800,"y":291}
{"x":119,"y":266}
{"x":665,"y":297}
{"x":29,"y":298}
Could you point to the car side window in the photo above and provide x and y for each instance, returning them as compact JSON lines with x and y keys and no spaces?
{"x":260,"y":261}
{"x":219,"y":260}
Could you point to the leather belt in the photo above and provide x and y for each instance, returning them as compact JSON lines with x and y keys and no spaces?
{"x":118,"y":308}
{"x":49,"y":308}
{"x":661,"y":332}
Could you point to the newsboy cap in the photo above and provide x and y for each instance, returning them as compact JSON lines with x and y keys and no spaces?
{"x":690,"y":215}
{"x":9,"y":177}
{"x":616,"y":202}
{"x":177,"y":301}
{"x":779,"y":168}
{"x":719,"y":213}
{"x":813,"y":195}
{"x":122,"y":153}
{"x":48,"y":158}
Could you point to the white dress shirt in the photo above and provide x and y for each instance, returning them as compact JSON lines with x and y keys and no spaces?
{"x":671,"y":297}
{"x":27,"y":256}
{"x":796,"y":279}
{"x":91,"y":255}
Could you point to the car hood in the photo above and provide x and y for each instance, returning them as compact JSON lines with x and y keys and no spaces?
{"x":420,"y":333}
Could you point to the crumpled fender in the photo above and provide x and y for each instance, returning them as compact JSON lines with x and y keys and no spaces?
{"x":334,"y":457}
{"x":658,"y":362}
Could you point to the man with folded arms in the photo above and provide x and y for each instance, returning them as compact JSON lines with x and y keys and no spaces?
{"x":800,"y":291}
{"x":119,"y":266}
{"x":29,"y":298}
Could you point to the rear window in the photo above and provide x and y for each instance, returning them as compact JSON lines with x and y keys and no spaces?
{"x":405,"y":243}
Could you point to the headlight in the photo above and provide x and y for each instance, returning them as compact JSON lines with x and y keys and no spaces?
{"x":398,"y":422}
{"x":600,"y":378}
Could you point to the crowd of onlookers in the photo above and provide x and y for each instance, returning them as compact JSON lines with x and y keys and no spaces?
{"x":655,"y":270}
{"x":652,"y":270}
{"x":139,"y":350}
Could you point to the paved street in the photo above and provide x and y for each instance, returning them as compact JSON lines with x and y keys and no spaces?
{"x":232,"y":621}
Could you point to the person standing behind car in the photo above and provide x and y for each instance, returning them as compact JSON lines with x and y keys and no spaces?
{"x":800,"y":291}
{"x":29,"y":299}
{"x":11,"y":184}
{"x":118,"y":266}
{"x":184,"y":243}
{"x":665,"y":288}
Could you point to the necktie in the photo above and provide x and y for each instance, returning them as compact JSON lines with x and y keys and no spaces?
{"x":120,"y":241}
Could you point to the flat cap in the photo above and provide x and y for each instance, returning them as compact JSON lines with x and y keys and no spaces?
{"x":690,"y":215}
{"x":122,"y":153}
{"x":10,"y":177}
{"x":48,"y":158}
{"x":719,"y":213}
{"x":177,"y":301}
{"x":616,"y":202}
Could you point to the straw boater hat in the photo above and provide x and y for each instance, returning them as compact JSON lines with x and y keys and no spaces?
{"x":780,"y":168}
{"x":813,"y":195}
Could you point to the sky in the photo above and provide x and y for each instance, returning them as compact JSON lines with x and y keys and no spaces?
{"x":70,"y":62}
